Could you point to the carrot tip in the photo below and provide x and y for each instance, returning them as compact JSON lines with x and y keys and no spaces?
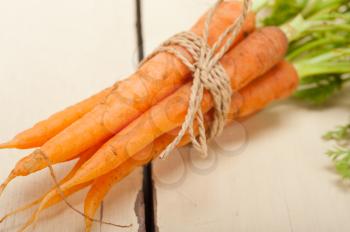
{"x":2,"y":188}
{"x":3,"y":219}
{"x":30,"y":222}
{"x":7,"y":145}
{"x":6,"y":182}
{"x":88,"y":226}
{"x":33,"y":219}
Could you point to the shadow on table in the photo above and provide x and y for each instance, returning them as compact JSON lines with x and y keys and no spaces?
{"x":171,"y":173}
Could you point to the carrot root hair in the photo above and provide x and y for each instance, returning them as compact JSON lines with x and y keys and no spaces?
{"x":20,"y":209}
{"x":6,"y":182}
{"x":31,"y":221}
{"x":35,"y":215}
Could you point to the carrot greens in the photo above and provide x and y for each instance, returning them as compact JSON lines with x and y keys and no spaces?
{"x":340,"y":154}
{"x":319,"y":47}
{"x":318,"y":33}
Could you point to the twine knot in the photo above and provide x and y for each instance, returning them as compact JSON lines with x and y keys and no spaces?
{"x":208,"y":74}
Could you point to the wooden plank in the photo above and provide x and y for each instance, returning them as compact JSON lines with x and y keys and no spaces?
{"x":266,"y":174}
{"x":54,"y":53}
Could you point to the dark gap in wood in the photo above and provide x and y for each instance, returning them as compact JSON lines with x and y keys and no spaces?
{"x":147,"y":185}
{"x":139,"y":32}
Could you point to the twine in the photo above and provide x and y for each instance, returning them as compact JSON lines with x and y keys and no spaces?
{"x":208,"y":74}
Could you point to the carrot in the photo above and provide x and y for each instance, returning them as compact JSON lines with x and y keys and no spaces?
{"x":261,"y":50}
{"x":41,"y":132}
{"x":157,"y":78}
{"x":278,"y":83}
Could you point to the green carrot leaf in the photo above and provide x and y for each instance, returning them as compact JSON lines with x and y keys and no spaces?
{"x":341,"y":133}
{"x":341,"y":160}
{"x":318,"y":89}
{"x":282,"y":11}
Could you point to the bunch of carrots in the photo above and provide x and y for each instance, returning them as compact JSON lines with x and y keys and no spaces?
{"x":128,"y":125}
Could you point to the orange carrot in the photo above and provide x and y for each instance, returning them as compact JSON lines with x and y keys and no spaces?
{"x":41,"y":132}
{"x":156,"y":79}
{"x":170,"y":113}
{"x":278,"y":83}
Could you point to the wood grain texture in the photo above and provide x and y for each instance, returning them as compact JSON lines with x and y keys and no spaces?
{"x":54,"y":53}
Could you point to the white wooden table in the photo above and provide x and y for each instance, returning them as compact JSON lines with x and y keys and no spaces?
{"x":266,"y":174}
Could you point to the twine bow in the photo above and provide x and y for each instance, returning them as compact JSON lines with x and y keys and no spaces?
{"x":208,"y":74}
